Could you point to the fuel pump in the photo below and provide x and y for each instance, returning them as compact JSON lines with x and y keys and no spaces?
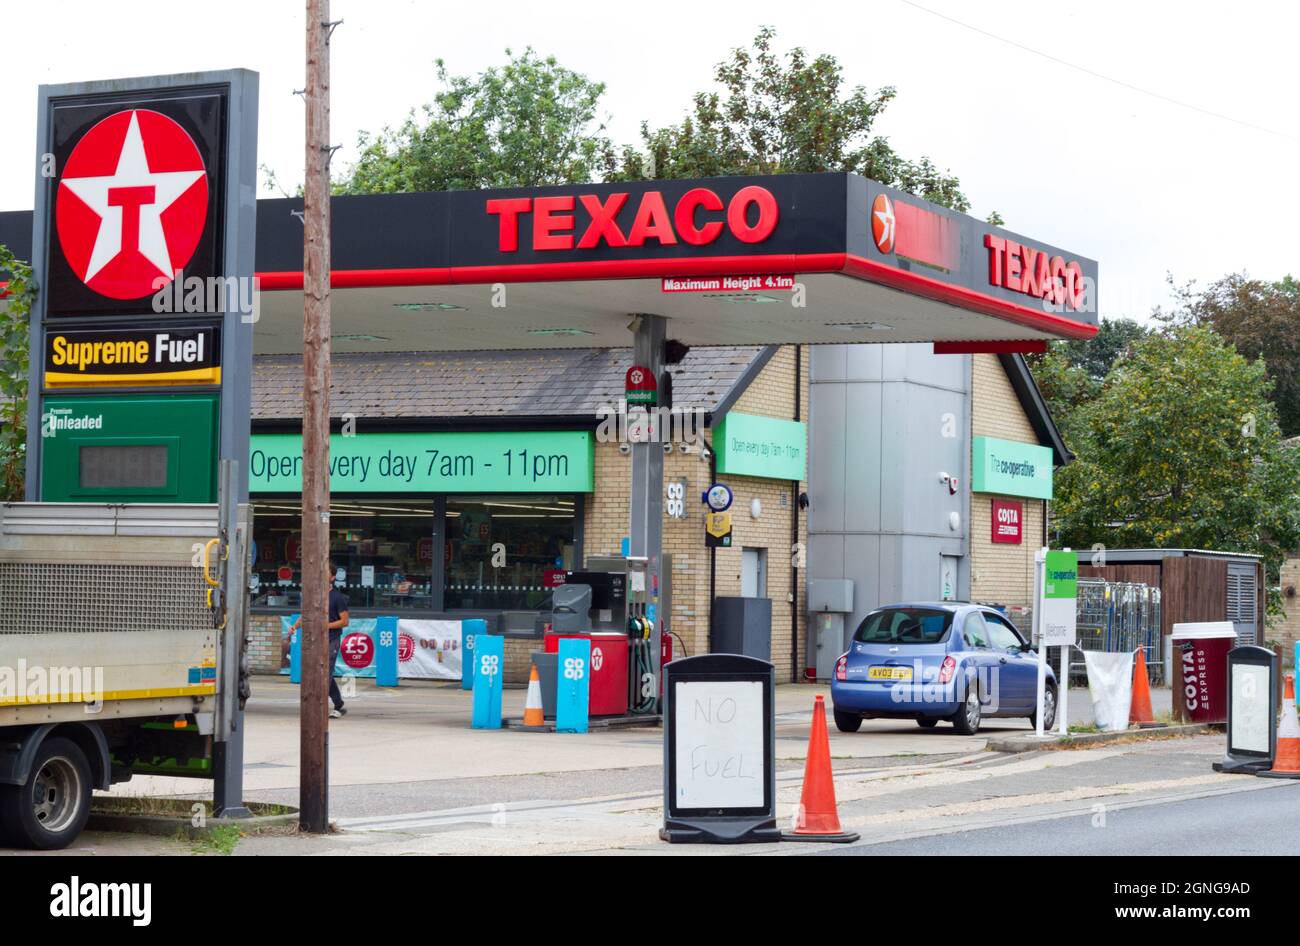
{"x":643,"y":640}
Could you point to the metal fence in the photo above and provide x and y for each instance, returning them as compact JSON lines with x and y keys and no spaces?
{"x":1119,"y":616}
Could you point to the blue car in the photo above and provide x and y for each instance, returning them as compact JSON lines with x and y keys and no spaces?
{"x":938,"y":661}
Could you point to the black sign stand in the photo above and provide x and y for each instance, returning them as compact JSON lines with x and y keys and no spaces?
{"x":1239,"y":760}
{"x":700,"y":707}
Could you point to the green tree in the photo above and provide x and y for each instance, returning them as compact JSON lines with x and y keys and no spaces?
{"x":1095,"y":356}
{"x":1262,"y":319}
{"x":1181,"y":449}
{"x":1071,"y":373}
{"x":787,"y":115}
{"x":15,"y":305}
{"x":528,"y":123}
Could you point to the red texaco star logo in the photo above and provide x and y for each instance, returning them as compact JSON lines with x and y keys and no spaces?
{"x":882,"y":223}
{"x":132,"y":203}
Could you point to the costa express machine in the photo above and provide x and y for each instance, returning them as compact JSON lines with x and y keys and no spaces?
{"x":623,"y":618}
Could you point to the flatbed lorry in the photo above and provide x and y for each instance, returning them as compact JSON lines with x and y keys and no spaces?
{"x":112,"y":626}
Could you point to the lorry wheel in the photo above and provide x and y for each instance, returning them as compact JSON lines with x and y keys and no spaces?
{"x":49,"y":811}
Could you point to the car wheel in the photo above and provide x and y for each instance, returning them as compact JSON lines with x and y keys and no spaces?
{"x":847,"y":722}
{"x":51,"y":808}
{"x":927,"y":723}
{"x":967,"y":719}
{"x":1049,"y":709}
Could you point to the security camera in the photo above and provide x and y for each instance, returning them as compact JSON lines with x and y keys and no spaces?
{"x":625,"y":448}
{"x":684,"y":447}
{"x":668,"y":448}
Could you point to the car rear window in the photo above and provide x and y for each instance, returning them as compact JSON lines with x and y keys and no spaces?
{"x":904,"y":626}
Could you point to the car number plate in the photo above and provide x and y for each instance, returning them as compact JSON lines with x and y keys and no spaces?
{"x":889,"y":673}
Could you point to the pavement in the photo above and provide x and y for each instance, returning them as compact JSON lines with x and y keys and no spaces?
{"x":408,"y":775}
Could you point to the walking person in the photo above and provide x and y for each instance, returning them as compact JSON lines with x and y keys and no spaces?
{"x":338,"y":619}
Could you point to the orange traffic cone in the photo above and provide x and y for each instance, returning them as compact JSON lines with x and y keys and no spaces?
{"x":1286,"y":761}
{"x":533,"y":705}
{"x":817,"y":818}
{"x":1140,"y":712}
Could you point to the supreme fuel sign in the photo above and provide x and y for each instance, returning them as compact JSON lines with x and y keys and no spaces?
{"x":95,"y":358}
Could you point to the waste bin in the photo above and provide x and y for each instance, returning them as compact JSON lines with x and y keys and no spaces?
{"x":548,"y":674}
{"x":1200,"y":652}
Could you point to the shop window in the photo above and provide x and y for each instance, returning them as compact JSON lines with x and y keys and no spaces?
{"x":505,"y":552}
{"x":384,"y":548}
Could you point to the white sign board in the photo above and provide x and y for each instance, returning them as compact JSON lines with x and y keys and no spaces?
{"x":719,"y":744}
{"x":1251,"y":707}
{"x":429,"y":650}
{"x":1059,"y":616}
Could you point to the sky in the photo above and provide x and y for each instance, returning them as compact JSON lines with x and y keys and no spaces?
{"x":1147,"y":136}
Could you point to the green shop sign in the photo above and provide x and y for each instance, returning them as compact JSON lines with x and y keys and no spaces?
{"x":1010,"y":468}
{"x":492,"y":462}
{"x":748,"y":445}
{"x":1062,"y":576}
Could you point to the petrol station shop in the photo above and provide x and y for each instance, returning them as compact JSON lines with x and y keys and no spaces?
{"x":477,"y":336}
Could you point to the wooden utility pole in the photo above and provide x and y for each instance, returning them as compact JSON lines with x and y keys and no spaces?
{"x":313,"y":792}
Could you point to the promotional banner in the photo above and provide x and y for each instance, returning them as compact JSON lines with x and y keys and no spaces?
{"x":429,"y":650}
{"x":426,"y":650}
{"x":356,"y":648}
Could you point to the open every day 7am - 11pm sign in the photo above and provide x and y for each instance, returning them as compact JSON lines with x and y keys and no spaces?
{"x":496,"y":461}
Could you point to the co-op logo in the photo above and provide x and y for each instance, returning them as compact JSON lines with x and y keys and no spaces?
{"x":132,"y":203}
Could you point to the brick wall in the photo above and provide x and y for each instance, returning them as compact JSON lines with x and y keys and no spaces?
{"x":1288,"y":629}
{"x":1001,"y":573}
{"x":606,"y":522}
{"x":264,"y":643}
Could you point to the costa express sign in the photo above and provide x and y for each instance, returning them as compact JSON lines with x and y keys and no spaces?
{"x":1022,"y":268}
{"x":1007,"y":517}
{"x":698,"y":217}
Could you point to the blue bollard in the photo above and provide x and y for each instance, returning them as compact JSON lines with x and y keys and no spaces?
{"x":489,"y":667}
{"x":295,"y":652}
{"x":468,"y":630}
{"x":573,"y":681}
{"x":386,"y":651}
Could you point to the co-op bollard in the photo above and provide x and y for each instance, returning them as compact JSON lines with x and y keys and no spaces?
{"x":572,"y":684}
{"x":469,"y":629}
{"x":295,"y":649}
{"x":489,"y":666}
{"x":387,"y":647}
